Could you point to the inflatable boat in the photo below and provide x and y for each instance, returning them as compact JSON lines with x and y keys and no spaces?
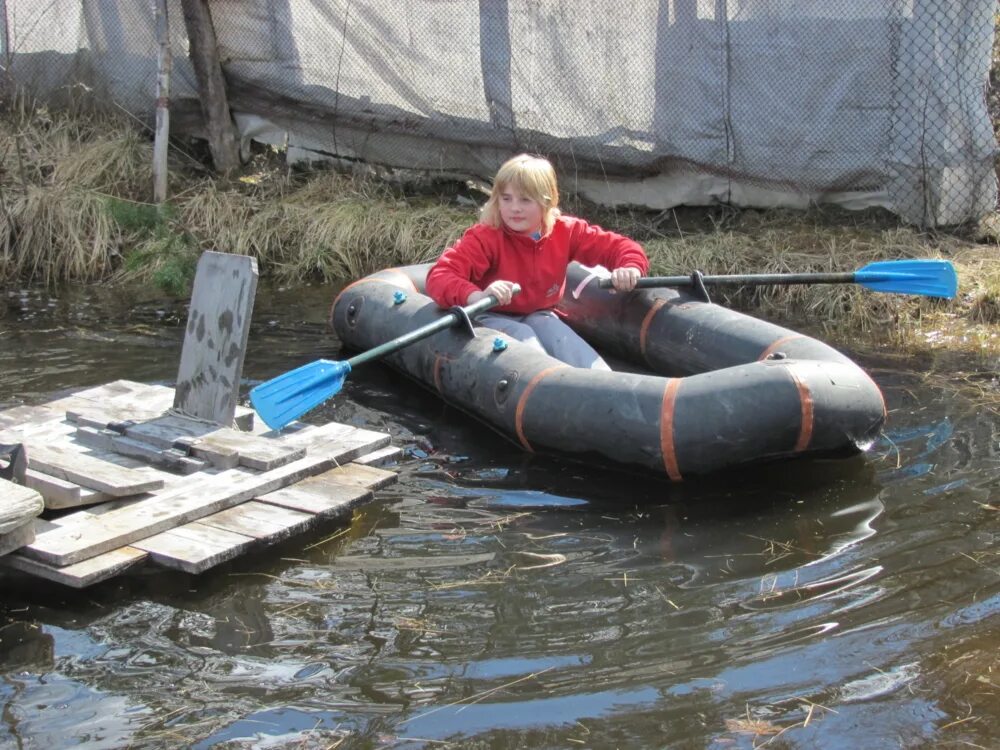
{"x":706,"y":388}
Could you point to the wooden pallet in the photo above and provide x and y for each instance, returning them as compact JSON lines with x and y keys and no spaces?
{"x":148,"y":486}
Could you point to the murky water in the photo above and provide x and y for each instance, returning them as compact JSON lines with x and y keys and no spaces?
{"x":495,"y":600}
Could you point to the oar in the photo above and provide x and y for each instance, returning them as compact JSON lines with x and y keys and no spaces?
{"x":930,"y":278}
{"x":287,"y":397}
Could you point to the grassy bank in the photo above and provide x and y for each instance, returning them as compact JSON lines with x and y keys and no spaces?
{"x":74,"y":205}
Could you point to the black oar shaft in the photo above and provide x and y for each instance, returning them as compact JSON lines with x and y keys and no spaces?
{"x":445,"y":321}
{"x":650,"y":282}
{"x":929,"y":277}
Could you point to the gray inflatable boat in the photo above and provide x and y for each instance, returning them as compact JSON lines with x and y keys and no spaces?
{"x":717,"y":389}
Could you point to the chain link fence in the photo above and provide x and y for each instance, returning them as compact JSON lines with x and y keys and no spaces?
{"x":654,"y":102}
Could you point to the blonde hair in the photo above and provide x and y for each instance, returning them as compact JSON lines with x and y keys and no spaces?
{"x":535,"y":178}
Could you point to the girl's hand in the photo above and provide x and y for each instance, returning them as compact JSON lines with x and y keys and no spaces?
{"x":624,"y":279}
{"x":502,"y":290}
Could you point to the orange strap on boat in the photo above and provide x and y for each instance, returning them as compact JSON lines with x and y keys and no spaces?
{"x":774,"y":346}
{"x":644,"y":330}
{"x":667,"y":448}
{"x":439,"y":360}
{"x":806,"y":407}
{"x":522,"y":402}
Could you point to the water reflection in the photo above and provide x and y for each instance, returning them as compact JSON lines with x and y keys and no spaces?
{"x":43,"y":706}
{"x":25,"y":645}
{"x":512,"y":601}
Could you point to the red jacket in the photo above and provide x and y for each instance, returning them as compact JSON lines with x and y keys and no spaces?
{"x":485,"y":254}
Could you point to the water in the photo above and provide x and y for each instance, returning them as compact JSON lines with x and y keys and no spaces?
{"x":496,"y":600}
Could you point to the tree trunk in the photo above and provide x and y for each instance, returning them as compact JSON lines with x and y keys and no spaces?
{"x":214,"y":103}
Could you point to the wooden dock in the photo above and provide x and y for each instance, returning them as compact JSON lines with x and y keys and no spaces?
{"x":126,"y":482}
{"x":181,"y":478}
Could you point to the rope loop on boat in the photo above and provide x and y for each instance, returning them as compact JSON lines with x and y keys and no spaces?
{"x":463,"y":320}
{"x":698,"y":284}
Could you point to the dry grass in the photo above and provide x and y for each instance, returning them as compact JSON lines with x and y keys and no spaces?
{"x":820,"y":241}
{"x":66,"y":177}
{"x":758,"y":727}
{"x":57,"y":174}
{"x":965,"y":679}
{"x":350,"y":227}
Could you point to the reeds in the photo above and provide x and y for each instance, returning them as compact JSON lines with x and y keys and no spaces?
{"x":325,"y":225}
{"x":67,"y":181}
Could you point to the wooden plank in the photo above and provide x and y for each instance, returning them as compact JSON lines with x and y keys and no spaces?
{"x":187,"y":501}
{"x":315,"y":438}
{"x":52,"y":489}
{"x":82,"y":574}
{"x":165,"y":430}
{"x":17,"y":537}
{"x":125,"y":393}
{"x":195,"y":547}
{"x":219,"y":456}
{"x":262,"y":521}
{"x":59,"y":494}
{"x":97,"y":510}
{"x":167,"y":458}
{"x":345,"y":443}
{"x":51,"y":429}
{"x":18,"y":505}
{"x":222,"y":536}
{"x":142,"y":400}
{"x":333,"y":492}
{"x":312,"y":437}
{"x":382,"y":457}
{"x":106,"y":393}
{"x":14,"y":463}
{"x":20,"y":415}
{"x":172,"y":431}
{"x":208,"y":379}
{"x":222,"y":446}
{"x":103,"y":416}
{"x":42,"y":525}
{"x":244,"y":419}
{"x":89,"y":471}
{"x":363,"y":476}
{"x":327,"y":499}
{"x":254,"y":453}
{"x":90,"y":497}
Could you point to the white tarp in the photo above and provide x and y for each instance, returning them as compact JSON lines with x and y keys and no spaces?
{"x":653,"y":102}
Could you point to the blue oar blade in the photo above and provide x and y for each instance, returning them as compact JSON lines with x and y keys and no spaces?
{"x":287,"y":397}
{"x":929,"y":277}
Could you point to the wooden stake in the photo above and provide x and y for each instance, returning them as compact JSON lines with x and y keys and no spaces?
{"x":164,"y":62}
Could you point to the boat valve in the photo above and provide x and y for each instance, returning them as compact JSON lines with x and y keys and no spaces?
{"x":499,"y":344}
{"x":398,"y":298}
{"x":504,"y":387}
{"x":353,"y":311}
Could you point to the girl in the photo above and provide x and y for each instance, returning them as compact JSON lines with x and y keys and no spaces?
{"x":523,"y":238}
